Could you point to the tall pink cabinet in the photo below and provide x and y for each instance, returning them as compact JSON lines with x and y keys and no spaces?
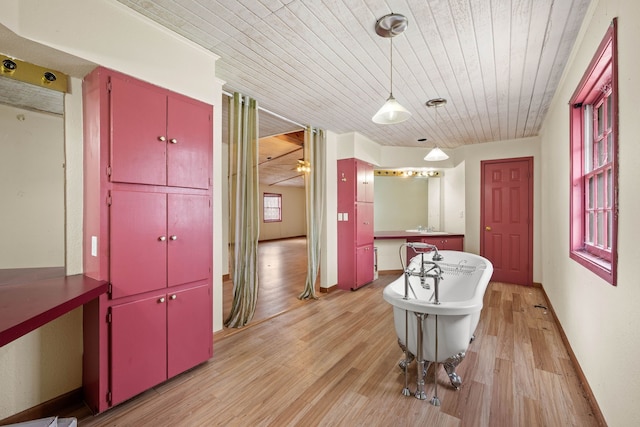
{"x":355,"y":223}
{"x":148,"y":232}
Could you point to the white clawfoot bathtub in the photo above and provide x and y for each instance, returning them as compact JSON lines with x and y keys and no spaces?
{"x":462,"y":283}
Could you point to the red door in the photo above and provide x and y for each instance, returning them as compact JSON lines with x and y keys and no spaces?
{"x":189,"y":131}
{"x":189,"y":329}
{"x":138,"y":122}
{"x":506,"y":219}
{"x":138,"y":346}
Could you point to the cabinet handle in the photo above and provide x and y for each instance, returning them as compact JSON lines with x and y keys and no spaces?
{"x":173,"y":141}
{"x":173,"y":237}
{"x":162,"y":138}
{"x":174,"y":296}
{"x":160,"y":300}
{"x":162,"y":238}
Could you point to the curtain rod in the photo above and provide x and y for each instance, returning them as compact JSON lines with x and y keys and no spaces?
{"x":230,"y":95}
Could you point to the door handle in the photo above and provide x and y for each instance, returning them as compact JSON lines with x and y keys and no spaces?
{"x":487,"y":228}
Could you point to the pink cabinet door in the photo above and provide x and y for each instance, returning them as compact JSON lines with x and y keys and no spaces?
{"x":189,"y":130}
{"x":364,"y":223}
{"x":138,"y":123}
{"x":364,"y":178}
{"x":189,"y":237}
{"x":138,"y":346}
{"x":189,"y":329}
{"x":138,"y":242}
{"x":364,"y":268}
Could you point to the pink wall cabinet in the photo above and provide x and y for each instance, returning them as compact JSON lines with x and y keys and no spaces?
{"x":148,"y":232}
{"x":355,"y":223}
{"x":157,"y":137}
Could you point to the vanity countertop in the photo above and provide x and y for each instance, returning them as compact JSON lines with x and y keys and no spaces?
{"x":403,"y":234}
{"x":25,"y":306}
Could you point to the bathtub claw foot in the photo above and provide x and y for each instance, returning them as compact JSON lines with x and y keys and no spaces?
{"x":404,"y":363}
{"x":450,"y":366}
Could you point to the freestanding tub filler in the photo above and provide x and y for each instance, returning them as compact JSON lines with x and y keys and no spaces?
{"x":436,"y":308}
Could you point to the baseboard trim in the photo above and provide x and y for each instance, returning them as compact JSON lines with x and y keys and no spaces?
{"x":597,"y":413}
{"x":329,"y":289}
{"x":49,"y":408}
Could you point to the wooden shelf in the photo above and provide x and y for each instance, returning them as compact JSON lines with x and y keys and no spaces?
{"x":28,"y":305}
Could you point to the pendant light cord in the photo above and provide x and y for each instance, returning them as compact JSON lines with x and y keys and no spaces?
{"x":391,"y":68}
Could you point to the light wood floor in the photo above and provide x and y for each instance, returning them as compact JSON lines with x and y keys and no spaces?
{"x":333,"y":361}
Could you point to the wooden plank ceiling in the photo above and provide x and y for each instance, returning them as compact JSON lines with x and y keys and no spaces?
{"x":497,"y":62}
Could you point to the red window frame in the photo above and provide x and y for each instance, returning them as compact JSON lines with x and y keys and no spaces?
{"x":594,"y":159}
{"x":271,"y":213}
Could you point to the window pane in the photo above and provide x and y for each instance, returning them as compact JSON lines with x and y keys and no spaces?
{"x":600,"y":153}
{"x":588,"y":138}
{"x":589,"y":232}
{"x":590,"y":193}
{"x":609,"y":112}
{"x":599,"y":118}
{"x":609,"y":229}
{"x":600,"y":228}
{"x":272,"y":204}
{"x":609,"y":188}
{"x":600,"y":190}
{"x":610,"y":147}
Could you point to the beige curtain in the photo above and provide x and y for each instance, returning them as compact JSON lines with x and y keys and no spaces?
{"x":244,"y":205}
{"x":314,"y":154}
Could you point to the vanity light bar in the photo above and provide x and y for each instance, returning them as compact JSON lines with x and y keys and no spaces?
{"x":408,"y":173}
{"x":33,"y":74}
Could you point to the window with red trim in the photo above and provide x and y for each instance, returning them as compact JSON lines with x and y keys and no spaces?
{"x":594,"y":135}
{"x":271,"y":207}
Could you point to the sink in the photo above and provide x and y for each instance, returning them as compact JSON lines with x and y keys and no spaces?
{"x":427,"y":233}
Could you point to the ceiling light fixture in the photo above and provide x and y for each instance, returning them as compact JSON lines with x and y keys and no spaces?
{"x":303,"y":166}
{"x":436,"y":154}
{"x":391,"y":112}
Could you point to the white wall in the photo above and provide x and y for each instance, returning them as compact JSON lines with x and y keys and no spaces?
{"x":31,"y":189}
{"x":293,"y":214}
{"x":453,"y":199}
{"x":114,"y":36}
{"x":472,"y":155}
{"x":601,"y":321}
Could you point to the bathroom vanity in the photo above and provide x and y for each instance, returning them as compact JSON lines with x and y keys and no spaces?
{"x":387,"y":243}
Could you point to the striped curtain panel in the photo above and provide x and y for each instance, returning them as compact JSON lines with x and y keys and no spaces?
{"x":244,"y":205}
{"x":314,"y":154}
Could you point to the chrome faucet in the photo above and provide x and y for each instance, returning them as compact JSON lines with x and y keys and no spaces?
{"x":434,"y":272}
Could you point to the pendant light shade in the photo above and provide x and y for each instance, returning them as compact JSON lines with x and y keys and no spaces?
{"x":391,"y":112}
{"x":436,"y":155}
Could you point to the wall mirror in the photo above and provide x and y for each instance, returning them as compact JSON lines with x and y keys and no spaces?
{"x":31,"y":181}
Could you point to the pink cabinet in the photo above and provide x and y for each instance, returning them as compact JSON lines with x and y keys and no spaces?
{"x":188,"y":328}
{"x":138,"y":346}
{"x":148,"y":232}
{"x":355,"y":223}
{"x":157,"y":240}
{"x":158,"y":138}
{"x":454,"y":242}
{"x":157,"y":337}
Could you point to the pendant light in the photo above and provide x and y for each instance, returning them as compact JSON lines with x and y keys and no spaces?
{"x":391,"y":112}
{"x":436,"y":154}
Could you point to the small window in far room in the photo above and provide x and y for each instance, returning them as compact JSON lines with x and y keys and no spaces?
{"x":594,"y":159}
{"x":272,"y":207}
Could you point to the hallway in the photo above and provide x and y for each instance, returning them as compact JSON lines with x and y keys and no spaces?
{"x":282,"y":269}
